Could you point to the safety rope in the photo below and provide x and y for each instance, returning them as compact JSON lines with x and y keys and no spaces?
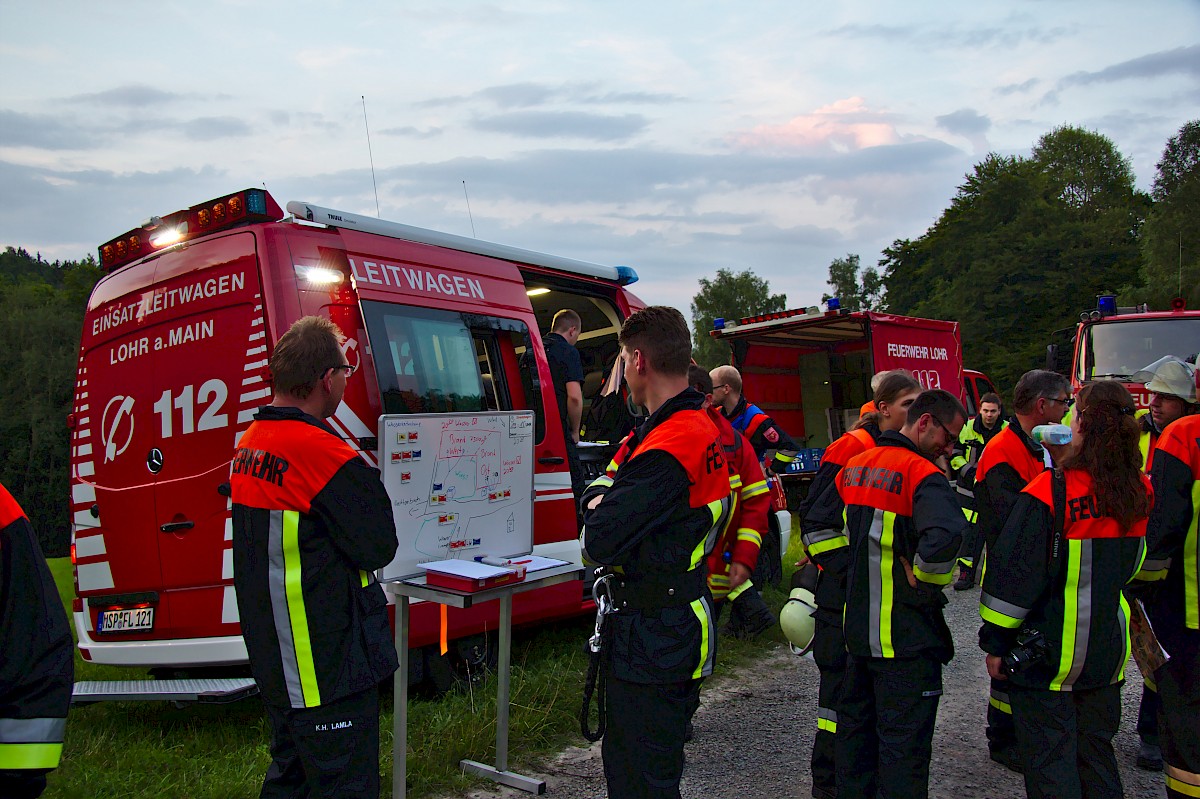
{"x":598,"y":656}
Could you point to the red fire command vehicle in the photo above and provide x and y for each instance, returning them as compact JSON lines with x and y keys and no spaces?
{"x":1111,"y":343}
{"x":173,"y":365}
{"x":811,"y":370}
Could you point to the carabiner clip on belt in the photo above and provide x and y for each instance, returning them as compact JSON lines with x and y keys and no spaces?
{"x":597,"y":657}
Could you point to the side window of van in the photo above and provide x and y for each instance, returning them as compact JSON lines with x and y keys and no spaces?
{"x":434,"y":361}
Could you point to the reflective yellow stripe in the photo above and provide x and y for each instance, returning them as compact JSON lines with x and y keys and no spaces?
{"x":998,"y":619}
{"x":827,"y":725}
{"x":1003,"y":707}
{"x":1125,"y":629}
{"x":746,"y":534}
{"x":828,"y":545}
{"x":1070,"y":616}
{"x":887,"y":562}
{"x":1182,"y":782}
{"x":754,"y":489}
{"x":364,"y":577}
{"x":297,"y":613}
{"x":737,"y":592}
{"x":697,"y":606}
{"x":1191,"y":575}
{"x":28,"y":756}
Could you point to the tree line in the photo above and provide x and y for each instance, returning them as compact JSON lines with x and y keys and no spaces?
{"x":1025,"y":245}
{"x":43,"y":306}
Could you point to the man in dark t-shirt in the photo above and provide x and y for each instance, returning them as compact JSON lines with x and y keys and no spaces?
{"x":566,"y":372}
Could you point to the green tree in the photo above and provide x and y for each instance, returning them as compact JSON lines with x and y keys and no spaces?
{"x":1024,"y":246}
{"x":1171,"y":236}
{"x":727,"y":296}
{"x":39,"y":339}
{"x":856,"y":289}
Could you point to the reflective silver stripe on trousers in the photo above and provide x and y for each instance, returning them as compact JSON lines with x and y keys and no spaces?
{"x":1083,"y":613}
{"x":277,"y":586}
{"x":827,"y":714}
{"x":822,"y":535}
{"x":940,"y":567}
{"x":32,"y":731}
{"x":875,"y":576}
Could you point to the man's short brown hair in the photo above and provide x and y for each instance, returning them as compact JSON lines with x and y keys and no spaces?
{"x":661,"y":333}
{"x":564,"y":320}
{"x":699,"y":379}
{"x":303,"y":354}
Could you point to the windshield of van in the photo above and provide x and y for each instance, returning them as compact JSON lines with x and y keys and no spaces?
{"x":1115,"y":350}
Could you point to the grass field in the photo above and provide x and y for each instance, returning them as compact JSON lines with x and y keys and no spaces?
{"x":153,"y":749}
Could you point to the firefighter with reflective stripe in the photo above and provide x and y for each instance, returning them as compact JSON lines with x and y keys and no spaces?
{"x":904,"y":528}
{"x":1172,"y":567}
{"x":1172,"y":386}
{"x":974,"y":437}
{"x":37,"y":666}
{"x":1065,"y":689}
{"x":653,"y":523}
{"x":822,"y":531}
{"x":773,"y":447}
{"x":1010,"y":461}
{"x":734,"y":556}
{"x":311,"y":521}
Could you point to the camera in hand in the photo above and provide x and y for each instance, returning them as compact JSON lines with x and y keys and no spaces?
{"x":1030,"y":649}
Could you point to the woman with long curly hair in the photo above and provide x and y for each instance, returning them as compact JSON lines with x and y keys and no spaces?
{"x":1055,"y":622}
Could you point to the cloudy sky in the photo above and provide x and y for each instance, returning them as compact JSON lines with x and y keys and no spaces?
{"x":675,"y":137}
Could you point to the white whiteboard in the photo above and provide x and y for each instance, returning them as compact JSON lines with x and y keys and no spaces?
{"x":461,"y":486}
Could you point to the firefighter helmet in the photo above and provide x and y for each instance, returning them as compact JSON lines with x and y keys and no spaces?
{"x":797,"y":620}
{"x":1169,"y":375}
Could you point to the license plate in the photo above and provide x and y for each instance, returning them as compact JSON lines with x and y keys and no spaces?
{"x":120,"y":621}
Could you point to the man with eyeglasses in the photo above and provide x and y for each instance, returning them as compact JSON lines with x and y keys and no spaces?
{"x":311,"y":522}
{"x":1010,"y":461}
{"x":904,"y":527}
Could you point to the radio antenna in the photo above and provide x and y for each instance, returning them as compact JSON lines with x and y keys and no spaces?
{"x":469,"y":214}
{"x":371,"y":156}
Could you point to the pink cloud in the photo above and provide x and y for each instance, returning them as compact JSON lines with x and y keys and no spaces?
{"x":840,"y":126}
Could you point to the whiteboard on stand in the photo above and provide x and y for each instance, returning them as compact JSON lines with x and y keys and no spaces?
{"x":461,"y":486}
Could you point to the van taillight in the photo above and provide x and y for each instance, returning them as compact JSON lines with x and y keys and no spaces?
{"x":71,"y":421}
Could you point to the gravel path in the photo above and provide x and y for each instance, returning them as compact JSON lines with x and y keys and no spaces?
{"x":754,"y":734}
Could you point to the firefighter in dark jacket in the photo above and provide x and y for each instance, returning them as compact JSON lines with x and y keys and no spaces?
{"x":822,"y":530}
{"x":1058,"y":578}
{"x":653,"y":525}
{"x":775,"y":449}
{"x":974,"y":437}
{"x":37,"y":665}
{"x":1173,"y":544}
{"x":904,"y":527}
{"x":311,"y":521}
{"x":1010,"y":461}
{"x":1172,"y":386}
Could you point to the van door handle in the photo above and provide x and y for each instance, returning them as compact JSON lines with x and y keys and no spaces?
{"x":552,"y":461}
{"x":175,"y":527}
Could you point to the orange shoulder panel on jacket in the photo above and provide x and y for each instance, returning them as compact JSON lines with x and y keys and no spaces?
{"x":855,"y":442}
{"x":10,"y":509}
{"x":1083,"y":517}
{"x":1007,"y":447}
{"x":284,"y":464}
{"x":884,"y":478}
{"x":1181,"y":440}
{"x":692,"y":439}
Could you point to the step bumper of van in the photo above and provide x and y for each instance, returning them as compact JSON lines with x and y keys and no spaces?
{"x":174,"y":652}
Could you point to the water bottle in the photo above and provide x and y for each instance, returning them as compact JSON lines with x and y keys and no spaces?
{"x":1052,"y":434}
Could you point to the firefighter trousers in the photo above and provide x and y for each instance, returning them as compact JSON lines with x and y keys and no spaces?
{"x":971,"y":551}
{"x":326,"y":751}
{"x":829,"y":651}
{"x":1178,"y":683}
{"x":1065,"y":741}
{"x":886,"y":715}
{"x":643,"y":738}
{"x":1001,"y":736}
{"x":1148,"y":710}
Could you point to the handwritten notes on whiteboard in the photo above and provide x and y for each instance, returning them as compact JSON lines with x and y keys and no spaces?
{"x":461,"y":485}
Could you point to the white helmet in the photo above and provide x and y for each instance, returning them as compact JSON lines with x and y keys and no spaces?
{"x":797,"y":620}
{"x":1169,"y":375}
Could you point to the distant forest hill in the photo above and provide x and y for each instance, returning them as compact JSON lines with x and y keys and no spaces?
{"x":43,"y":304}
